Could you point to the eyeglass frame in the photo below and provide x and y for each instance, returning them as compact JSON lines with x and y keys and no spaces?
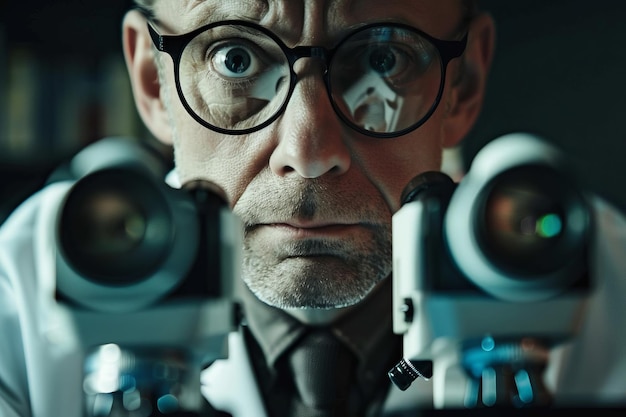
{"x":174,"y":46}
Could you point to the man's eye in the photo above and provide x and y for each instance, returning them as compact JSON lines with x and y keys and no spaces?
{"x":383,"y":60}
{"x":235,"y":61}
{"x":388,"y":61}
{"x":398,"y":63}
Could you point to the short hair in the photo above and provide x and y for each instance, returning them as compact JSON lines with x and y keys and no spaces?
{"x":146,"y":7}
{"x":147,"y":4}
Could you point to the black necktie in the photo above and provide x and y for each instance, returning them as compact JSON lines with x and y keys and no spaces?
{"x":323,"y":371}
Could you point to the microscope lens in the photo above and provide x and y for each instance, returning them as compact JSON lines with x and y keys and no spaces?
{"x":523,"y":224}
{"x":115,"y":227}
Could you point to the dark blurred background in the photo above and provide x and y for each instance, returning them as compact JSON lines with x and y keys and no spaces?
{"x":559,"y":71}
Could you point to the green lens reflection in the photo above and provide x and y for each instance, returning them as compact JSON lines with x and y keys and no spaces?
{"x":549,"y":225}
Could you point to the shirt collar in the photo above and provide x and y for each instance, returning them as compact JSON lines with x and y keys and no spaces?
{"x":369,"y":326}
{"x":365,"y":329}
{"x":273,"y":329}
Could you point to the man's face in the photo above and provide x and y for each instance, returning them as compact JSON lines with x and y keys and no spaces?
{"x":316,"y":197}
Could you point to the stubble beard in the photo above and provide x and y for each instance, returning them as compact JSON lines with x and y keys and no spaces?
{"x":315,"y":282}
{"x":313,"y":273}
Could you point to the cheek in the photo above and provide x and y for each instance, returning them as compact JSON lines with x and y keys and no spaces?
{"x":392,"y":165}
{"x":200,"y":153}
{"x":228,"y":161}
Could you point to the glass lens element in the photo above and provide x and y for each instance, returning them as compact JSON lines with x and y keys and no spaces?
{"x":385,"y":79}
{"x":525,"y":223}
{"x":115,"y":228}
{"x":234,"y":77}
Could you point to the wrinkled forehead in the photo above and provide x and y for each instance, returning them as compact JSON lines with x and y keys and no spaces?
{"x":306,"y":21}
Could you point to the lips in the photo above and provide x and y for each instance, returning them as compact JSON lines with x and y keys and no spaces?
{"x":307,"y":241}
{"x":312,"y":230}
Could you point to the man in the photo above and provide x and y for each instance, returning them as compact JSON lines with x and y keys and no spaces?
{"x":315,"y":195}
{"x":314,"y":168}
{"x":312,"y":116}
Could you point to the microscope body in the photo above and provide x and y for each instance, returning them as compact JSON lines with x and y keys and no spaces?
{"x":490,"y":274}
{"x":143,"y":283}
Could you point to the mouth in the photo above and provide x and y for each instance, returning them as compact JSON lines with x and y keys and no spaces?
{"x":304,"y":230}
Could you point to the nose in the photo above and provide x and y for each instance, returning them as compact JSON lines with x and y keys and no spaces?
{"x":311,"y":140}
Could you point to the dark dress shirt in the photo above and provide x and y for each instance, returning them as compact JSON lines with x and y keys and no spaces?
{"x":366,"y":330}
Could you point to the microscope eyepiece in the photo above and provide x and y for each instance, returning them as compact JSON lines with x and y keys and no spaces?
{"x":531,"y":221}
{"x":115,"y":228}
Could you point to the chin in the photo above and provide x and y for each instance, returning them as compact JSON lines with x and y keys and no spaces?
{"x":314,"y":313}
{"x":313,"y":286}
{"x":306,"y":300}
{"x":313,"y":293}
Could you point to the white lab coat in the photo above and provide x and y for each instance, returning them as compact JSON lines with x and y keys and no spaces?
{"x":41,"y":365}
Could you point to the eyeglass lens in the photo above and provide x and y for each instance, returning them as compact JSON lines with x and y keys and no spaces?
{"x":382,"y":79}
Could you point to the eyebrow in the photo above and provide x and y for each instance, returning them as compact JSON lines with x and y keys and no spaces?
{"x":220,"y":10}
{"x":214,"y":11}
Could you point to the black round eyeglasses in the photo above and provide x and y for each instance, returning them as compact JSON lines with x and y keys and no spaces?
{"x":236,"y":77}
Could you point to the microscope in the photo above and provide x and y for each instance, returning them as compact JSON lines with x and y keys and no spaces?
{"x":489,"y":274}
{"x":144,"y":280}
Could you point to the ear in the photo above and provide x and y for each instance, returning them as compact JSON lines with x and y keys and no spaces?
{"x":468,"y":89}
{"x":142,"y":69}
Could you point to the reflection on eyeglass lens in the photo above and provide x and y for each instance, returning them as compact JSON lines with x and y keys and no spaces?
{"x":381,"y":79}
